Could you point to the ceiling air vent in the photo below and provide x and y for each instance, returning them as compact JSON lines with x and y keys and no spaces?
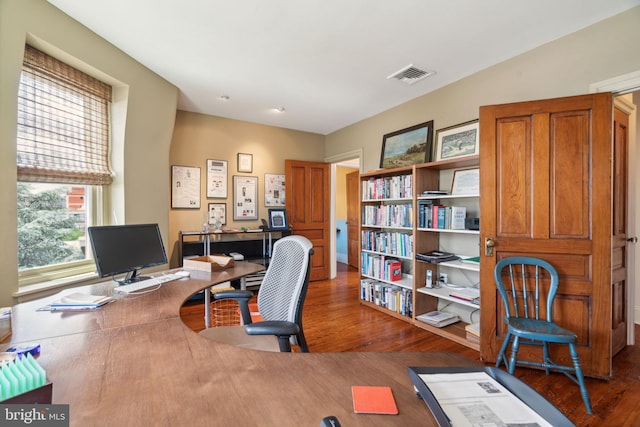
{"x":411,"y":74}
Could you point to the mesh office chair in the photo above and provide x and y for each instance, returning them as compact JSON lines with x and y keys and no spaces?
{"x":280,"y":301}
{"x":529,"y":280}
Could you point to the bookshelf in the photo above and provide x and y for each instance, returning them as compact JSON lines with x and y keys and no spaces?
{"x":386,"y":241}
{"x":462,"y":242}
{"x":384,"y":195}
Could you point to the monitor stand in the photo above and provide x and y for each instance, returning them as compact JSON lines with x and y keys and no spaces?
{"x":132,"y":277}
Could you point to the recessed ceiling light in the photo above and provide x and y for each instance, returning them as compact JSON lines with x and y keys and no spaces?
{"x":279,"y":109}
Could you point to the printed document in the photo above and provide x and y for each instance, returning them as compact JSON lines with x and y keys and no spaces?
{"x":476,"y":399}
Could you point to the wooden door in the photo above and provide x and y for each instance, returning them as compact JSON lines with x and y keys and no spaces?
{"x":307,"y":202}
{"x":353,"y":219}
{"x":619,"y":254}
{"x":545,"y":177}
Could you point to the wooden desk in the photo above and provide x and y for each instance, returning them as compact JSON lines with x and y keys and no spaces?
{"x":135,"y":363}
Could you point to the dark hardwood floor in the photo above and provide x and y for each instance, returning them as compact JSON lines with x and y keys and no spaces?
{"x":334,"y":321}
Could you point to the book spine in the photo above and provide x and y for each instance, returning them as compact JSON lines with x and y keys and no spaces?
{"x":458,"y":215}
{"x":441,"y":217}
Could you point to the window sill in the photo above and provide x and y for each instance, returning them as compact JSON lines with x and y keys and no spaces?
{"x":33,"y":291}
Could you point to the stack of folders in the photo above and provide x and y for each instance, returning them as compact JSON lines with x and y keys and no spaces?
{"x":471,"y":295}
{"x":438,"y":319}
{"x":80,"y":301}
{"x":473,"y":332}
{"x":435,"y":257}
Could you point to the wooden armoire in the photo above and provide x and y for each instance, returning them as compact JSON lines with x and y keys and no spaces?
{"x":553,"y":178}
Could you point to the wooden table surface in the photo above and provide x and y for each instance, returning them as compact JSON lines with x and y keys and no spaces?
{"x":135,"y":363}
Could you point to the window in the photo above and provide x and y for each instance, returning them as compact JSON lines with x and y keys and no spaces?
{"x":63,"y":166}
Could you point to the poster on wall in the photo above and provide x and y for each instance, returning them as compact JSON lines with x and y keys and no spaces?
{"x":185,"y":187}
{"x":273,"y":190}
{"x":217,"y":179}
{"x":245,"y":197}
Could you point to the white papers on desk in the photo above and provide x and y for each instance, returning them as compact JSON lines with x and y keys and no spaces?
{"x":78,"y":302}
{"x":79,"y":298}
{"x":474,"y":398}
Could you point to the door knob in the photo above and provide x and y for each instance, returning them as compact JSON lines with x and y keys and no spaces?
{"x":632,"y":239}
{"x":489,"y":243}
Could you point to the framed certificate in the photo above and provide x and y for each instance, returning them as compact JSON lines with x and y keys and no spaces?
{"x":185,"y":187}
{"x":466,"y":182}
{"x":217,"y":179}
{"x":245,"y":197}
{"x":274,"y":189}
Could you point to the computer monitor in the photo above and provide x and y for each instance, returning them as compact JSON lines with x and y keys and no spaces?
{"x":126,"y":249}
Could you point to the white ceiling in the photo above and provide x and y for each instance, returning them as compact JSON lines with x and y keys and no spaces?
{"x":327,"y":61}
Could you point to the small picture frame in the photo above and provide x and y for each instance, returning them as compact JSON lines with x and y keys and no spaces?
{"x":278,"y":219}
{"x":218,"y":213}
{"x":245,"y":162}
{"x":457,"y":141}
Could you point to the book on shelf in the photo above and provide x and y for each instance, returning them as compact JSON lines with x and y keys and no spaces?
{"x":395,"y":271}
{"x":391,"y":243}
{"x":391,"y":297}
{"x":440,"y":214}
{"x":393,"y":187}
{"x":438,"y":319}
{"x":458,"y":215}
{"x":435,"y":193}
{"x":435,"y":257}
{"x":424,"y":213}
{"x":441,"y":217}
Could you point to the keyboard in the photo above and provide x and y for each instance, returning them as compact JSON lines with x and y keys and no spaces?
{"x":145,"y":284}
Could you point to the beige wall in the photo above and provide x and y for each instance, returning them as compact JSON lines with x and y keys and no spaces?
{"x":198,"y":137}
{"x":143,"y":115}
{"x":561,"y":68}
{"x":341,"y":191}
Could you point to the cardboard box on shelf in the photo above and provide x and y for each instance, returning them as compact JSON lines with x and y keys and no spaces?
{"x":208,"y":263}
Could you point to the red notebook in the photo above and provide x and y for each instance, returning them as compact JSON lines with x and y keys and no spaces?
{"x":373,"y":400}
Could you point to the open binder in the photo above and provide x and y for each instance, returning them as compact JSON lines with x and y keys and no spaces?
{"x":517,"y":389}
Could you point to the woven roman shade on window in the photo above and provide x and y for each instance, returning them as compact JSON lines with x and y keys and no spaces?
{"x":63,"y":123}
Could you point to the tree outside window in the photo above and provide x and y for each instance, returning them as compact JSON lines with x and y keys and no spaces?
{"x":51,"y":224}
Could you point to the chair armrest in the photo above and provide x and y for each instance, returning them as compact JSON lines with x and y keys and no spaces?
{"x":242,"y":297}
{"x":273,"y":327}
{"x":280,"y":328}
{"x":235,"y":294}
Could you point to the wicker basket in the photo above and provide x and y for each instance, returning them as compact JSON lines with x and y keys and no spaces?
{"x":225,"y":313}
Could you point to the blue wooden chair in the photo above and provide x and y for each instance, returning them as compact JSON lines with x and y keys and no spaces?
{"x":528,"y":280}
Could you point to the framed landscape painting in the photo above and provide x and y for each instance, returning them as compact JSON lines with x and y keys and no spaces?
{"x":408,"y":146}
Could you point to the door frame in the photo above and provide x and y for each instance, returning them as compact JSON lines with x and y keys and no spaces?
{"x":621,"y":85}
{"x":333,"y":160}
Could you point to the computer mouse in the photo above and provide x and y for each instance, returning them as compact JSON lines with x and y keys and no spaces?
{"x":330,"y":421}
{"x":182,"y":273}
